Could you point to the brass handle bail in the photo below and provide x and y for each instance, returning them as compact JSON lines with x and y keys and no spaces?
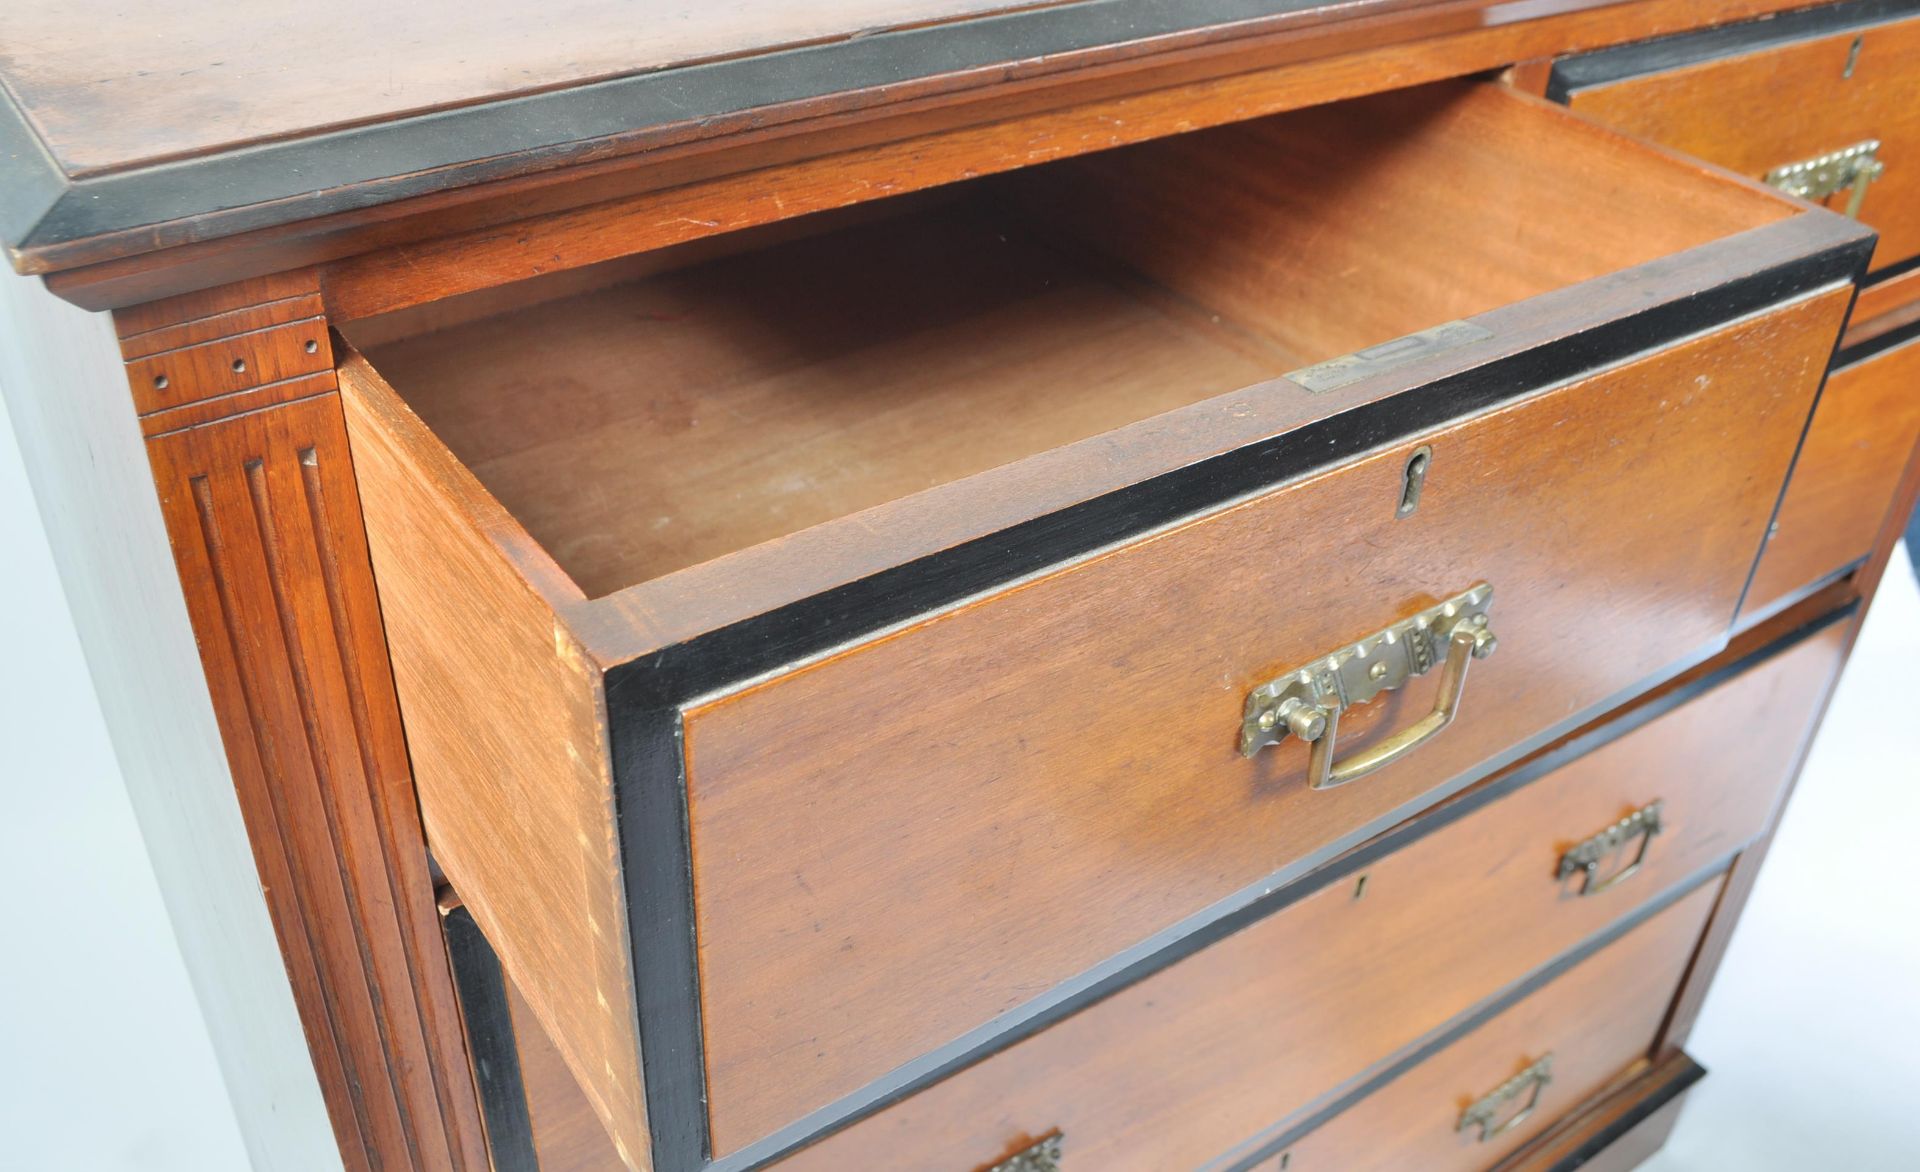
{"x":1307,"y":703}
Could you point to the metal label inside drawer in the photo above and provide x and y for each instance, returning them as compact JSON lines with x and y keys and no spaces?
{"x":1335,"y":373}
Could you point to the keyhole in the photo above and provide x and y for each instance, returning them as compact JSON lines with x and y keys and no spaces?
{"x":1853,"y":58}
{"x":1360,"y":888}
{"x":1413,"y":480}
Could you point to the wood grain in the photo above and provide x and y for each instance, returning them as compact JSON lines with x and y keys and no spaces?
{"x":1552,"y":1151}
{"x":848,"y":151}
{"x":1598,"y":1021}
{"x":1756,"y":111}
{"x":1862,"y":435}
{"x":263,"y":515}
{"x":109,"y":94}
{"x":1283,"y":1016}
{"x":504,"y":725}
{"x":1051,"y":775}
{"x":746,"y":398}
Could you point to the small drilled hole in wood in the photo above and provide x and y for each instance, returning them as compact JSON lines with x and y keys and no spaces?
{"x":313,"y":347}
{"x":159,"y":382}
{"x":239,"y":366}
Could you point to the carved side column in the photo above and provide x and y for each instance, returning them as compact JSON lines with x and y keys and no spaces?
{"x":236,"y":395}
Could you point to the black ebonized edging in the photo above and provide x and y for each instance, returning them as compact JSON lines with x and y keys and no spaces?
{"x":275,"y":183}
{"x":1497,"y":1005}
{"x":644,"y":696}
{"x":1672,"y":1088}
{"x":491,"y":1047}
{"x":1880,"y":344}
{"x":1605,"y":66}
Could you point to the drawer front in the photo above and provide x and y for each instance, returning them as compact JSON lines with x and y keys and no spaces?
{"x":1862,"y":435}
{"x":1762,"y":96}
{"x":898,"y":843}
{"x":1590,"y":1027}
{"x":1179,"y":1068}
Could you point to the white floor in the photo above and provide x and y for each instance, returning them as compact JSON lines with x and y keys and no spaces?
{"x":1812,"y":1031}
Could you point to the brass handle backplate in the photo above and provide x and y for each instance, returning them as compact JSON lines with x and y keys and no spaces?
{"x":1584,"y":860}
{"x":1041,"y":1157}
{"x":1307,"y":701}
{"x":1815,"y":179}
{"x":1485,"y":1114}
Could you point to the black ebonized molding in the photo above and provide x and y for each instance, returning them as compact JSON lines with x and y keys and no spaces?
{"x":657,"y":868}
{"x":30,"y":181}
{"x":1888,"y":272}
{"x":1862,"y":351}
{"x":1679,"y":1083}
{"x":644,"y":696}
{"x":1461,"y":1027}
{"x":680,"y":673}
{"x":1605,"y":66}
{"x":281,"y":182}
{"x":490,"y":1044}
{"x":1339,"y":869}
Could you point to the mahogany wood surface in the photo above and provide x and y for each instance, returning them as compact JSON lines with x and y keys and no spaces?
{"x":504,"y":724}
{"x":106,"y":93}
{"x":262,"y":511}
{"x":1862,"y":435}
{"x":1755,"y":111}
{"x":1269,"y":1023}
{"x":1599,"y":1022}
{"x":1566,"y":1145}
{"x":841,"y":151}
{"x":1086,"y":792}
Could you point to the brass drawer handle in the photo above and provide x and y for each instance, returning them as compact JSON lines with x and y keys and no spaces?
{"x":1041,"y":1157}
{"x":1584,"y":859}
{"x":1307,"y":702}
{"x":1817,"y":178}
{"x":1529,"y":1082}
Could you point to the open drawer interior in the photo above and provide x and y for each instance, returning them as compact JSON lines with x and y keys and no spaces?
{"x":665,"y":411}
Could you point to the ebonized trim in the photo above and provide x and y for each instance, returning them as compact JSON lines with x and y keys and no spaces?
{"x":491,"y":1048}
{"x":1605,"y":66}
{"x":1878,"y":344}
{"x":365,"y":166}
{"x":1899,"y":268}
{"x":675,"y":675}
{"x":834,"y":1117}
{"x":1461,"y":1027}
{"x":644,"y":696}
{"x":1670,"y":1088}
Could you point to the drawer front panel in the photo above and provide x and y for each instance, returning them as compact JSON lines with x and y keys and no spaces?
{"x":1593,"y":1024}
{"x":1777,"y":104}
{"x":1179,"y":1068}
{"x":896,"y":844}
{"x":1862,"y":435}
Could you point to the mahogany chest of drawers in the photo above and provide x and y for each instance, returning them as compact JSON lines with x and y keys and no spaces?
{"x":963,"y":586}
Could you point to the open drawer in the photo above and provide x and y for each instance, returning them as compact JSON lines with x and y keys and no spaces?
{"x":823,"y":650}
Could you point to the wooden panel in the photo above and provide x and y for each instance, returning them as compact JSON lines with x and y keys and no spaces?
{"x":223,"y":366}
{"x":1598,"y":1021}
{"x":1633,"y":1123}
{"x":106,"y":93}
{"x":263,"y":516}
{"x":1179,"y":1068}
{"x":1085,"y":791}
{"x":1756,"y":111}
{"x":1863,"y":433}
{"x":1884,"y":307}
{"x":982,"y":122}
{"x":504,"y":725}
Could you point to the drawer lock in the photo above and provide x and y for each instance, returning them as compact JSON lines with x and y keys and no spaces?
{"x":1584,"y":860}
{"x":1526,"y":1085}
{"x":1041,"y":1157}
{"x":1307,"y":701}
{"x":1817,"y":178}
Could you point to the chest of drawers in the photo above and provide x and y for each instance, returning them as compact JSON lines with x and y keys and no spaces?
{"x":1076,"y":586}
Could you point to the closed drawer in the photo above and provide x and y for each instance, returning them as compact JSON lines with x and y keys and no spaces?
{"x":1587,"y":1030}
{"x":1844,"y":483}
{"x":1286,"y":1014}
{"x":820,"y":658}
{"x":1759,"y":97}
